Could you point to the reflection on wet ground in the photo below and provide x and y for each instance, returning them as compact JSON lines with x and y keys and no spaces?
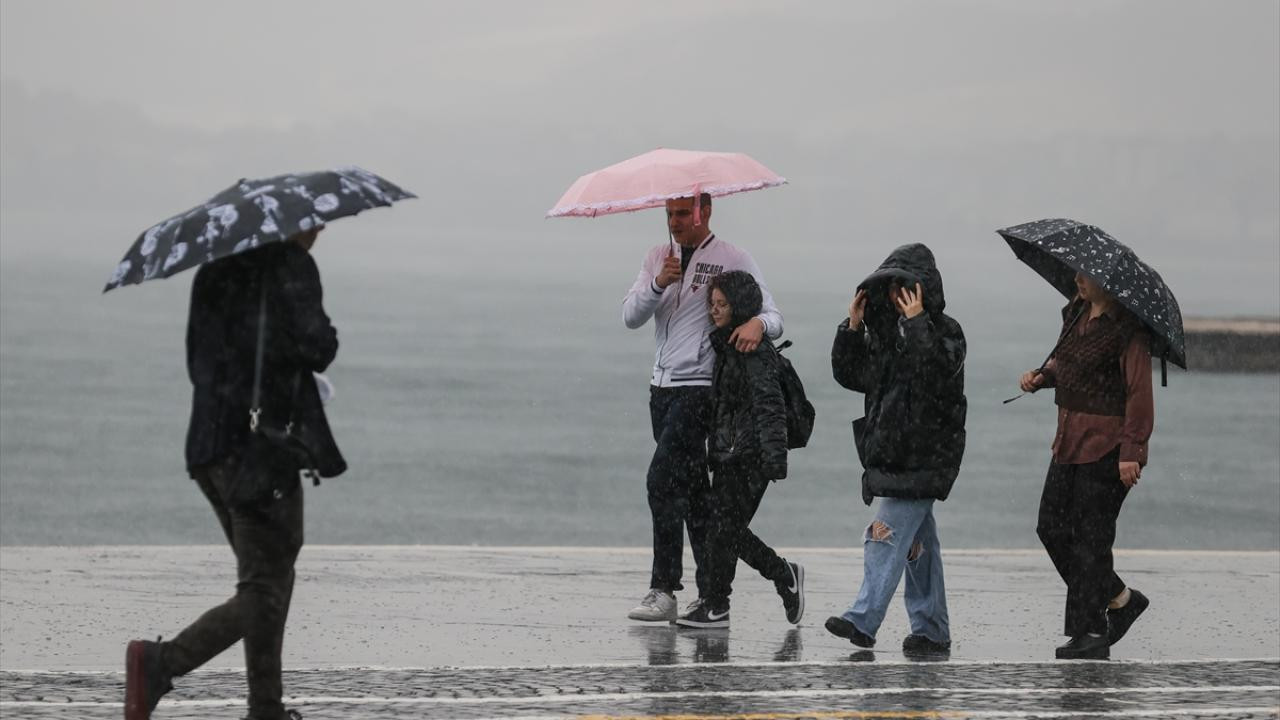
{"x":691,"y":675}
{"x":665,"y":644}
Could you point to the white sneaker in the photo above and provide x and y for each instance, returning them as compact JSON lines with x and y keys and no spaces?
{"x":657,"y":606}
{"x":690,"y":609}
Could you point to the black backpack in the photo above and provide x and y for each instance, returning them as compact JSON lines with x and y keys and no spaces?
{"x":800,"y":412}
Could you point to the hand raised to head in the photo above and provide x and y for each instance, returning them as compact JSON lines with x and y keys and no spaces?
{"x":910,"y":302}
{"x":857,"y":309}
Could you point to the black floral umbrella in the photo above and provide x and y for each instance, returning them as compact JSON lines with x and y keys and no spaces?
{"x":1058,"y":248}
{"x":249,"y":214}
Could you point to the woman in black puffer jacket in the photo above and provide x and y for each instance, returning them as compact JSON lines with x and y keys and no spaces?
{"x":747,"y":448}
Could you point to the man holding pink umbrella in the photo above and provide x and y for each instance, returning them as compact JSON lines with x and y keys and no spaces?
{"x":671,"y":288}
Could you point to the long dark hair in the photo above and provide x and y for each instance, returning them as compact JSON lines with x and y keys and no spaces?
{"x":743,"y":293}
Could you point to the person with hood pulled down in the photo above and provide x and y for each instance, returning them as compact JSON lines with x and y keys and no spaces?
{"x":1101,"y":375}
{"x":747,"y":448}
{"x":906,"y":356}
{"x":278,"y":283}
{"x":670,"y":288}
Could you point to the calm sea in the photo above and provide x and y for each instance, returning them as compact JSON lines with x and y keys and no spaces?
{"x":486,"y":402}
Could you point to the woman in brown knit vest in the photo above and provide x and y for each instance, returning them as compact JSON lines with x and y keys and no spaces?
{"x":1101,"y":373}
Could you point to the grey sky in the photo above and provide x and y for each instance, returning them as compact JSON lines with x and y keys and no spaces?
{"x":894,"y":121}
{"x":826,"y":68}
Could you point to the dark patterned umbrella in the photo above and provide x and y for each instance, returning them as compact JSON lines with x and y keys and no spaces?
{"x":249,"y":214}
{"x":1058,"y":248}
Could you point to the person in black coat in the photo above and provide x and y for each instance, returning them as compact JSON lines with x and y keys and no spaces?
{"x":278,"y":282}
{"x":906,"y":356}
{"x":746,"y":449}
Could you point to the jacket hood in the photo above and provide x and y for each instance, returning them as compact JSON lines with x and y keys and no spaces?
{"x":743,"y":293}
{"x":908,"y":264}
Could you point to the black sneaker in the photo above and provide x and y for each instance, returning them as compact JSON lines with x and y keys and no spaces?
{"x":791,"y":591}
{"x":284,"y":715}
{"x":1122,"y":618}
{"x":921,"y":646}
{"x":705,"y":617}
{"x":840,"y":627}
{"x":145,"y":680}
{"x":1085,"y":647}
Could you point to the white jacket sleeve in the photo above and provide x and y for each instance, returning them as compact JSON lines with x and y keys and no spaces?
{"x":642,"y":299}
{"x":769,"y":313}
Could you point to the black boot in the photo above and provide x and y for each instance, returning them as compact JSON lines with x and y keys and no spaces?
{"x":1122,"y":618}
{"x":840,"y":627}
{"x":919,"y":646}
{"x":145,"y":679}
{"x":1085,"y":647}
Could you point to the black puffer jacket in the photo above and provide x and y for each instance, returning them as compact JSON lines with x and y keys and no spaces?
{"x":749,"y":422}
{"x":911,"y":438}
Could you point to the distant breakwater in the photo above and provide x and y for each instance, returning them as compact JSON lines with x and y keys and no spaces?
{"x":1245,"y":345}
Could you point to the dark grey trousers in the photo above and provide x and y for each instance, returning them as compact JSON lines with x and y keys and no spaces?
{"x":680,"y":417}
{"x":266,"y":542}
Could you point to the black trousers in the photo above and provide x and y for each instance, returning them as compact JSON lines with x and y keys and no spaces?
{"x":681,"y":418}
{"x":727,"y":507}
{"x":266,"y":544}
{"x":1077,"y":525}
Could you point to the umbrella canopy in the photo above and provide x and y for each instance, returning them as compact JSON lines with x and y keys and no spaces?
{"x":249,"y":214}
{"x":1058,"y":248}
{"x":651,"y":179}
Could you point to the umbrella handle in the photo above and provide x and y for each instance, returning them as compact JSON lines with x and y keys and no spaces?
{"x":1056,"y":345}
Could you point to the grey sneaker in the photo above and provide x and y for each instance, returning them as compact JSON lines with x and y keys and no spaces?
{"x":657,"y":606}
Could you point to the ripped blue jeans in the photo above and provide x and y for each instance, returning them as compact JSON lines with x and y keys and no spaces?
{"x":903,"y":536}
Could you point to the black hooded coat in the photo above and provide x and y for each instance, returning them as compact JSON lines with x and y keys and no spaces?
{"x":749,"y":420}
{"x":911,"y":438}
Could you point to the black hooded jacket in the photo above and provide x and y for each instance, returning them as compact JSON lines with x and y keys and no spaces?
{"x":911,"y":438}
{"x":749,"y":421}
{"x":222,"y":335}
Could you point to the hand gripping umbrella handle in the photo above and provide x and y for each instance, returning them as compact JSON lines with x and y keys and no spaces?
{"x":1056,"y":345}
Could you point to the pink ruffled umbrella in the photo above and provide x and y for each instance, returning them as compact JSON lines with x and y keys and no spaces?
{"x":651,"y":179}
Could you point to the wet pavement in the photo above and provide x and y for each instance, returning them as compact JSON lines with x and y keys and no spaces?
{"x":849,"y":688}
{"x":429,"y":632}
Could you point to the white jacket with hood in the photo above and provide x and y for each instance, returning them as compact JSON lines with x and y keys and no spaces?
{"x":682,"y":324}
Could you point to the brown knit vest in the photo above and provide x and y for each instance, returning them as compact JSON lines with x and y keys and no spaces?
{"x":1088,"y":374}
